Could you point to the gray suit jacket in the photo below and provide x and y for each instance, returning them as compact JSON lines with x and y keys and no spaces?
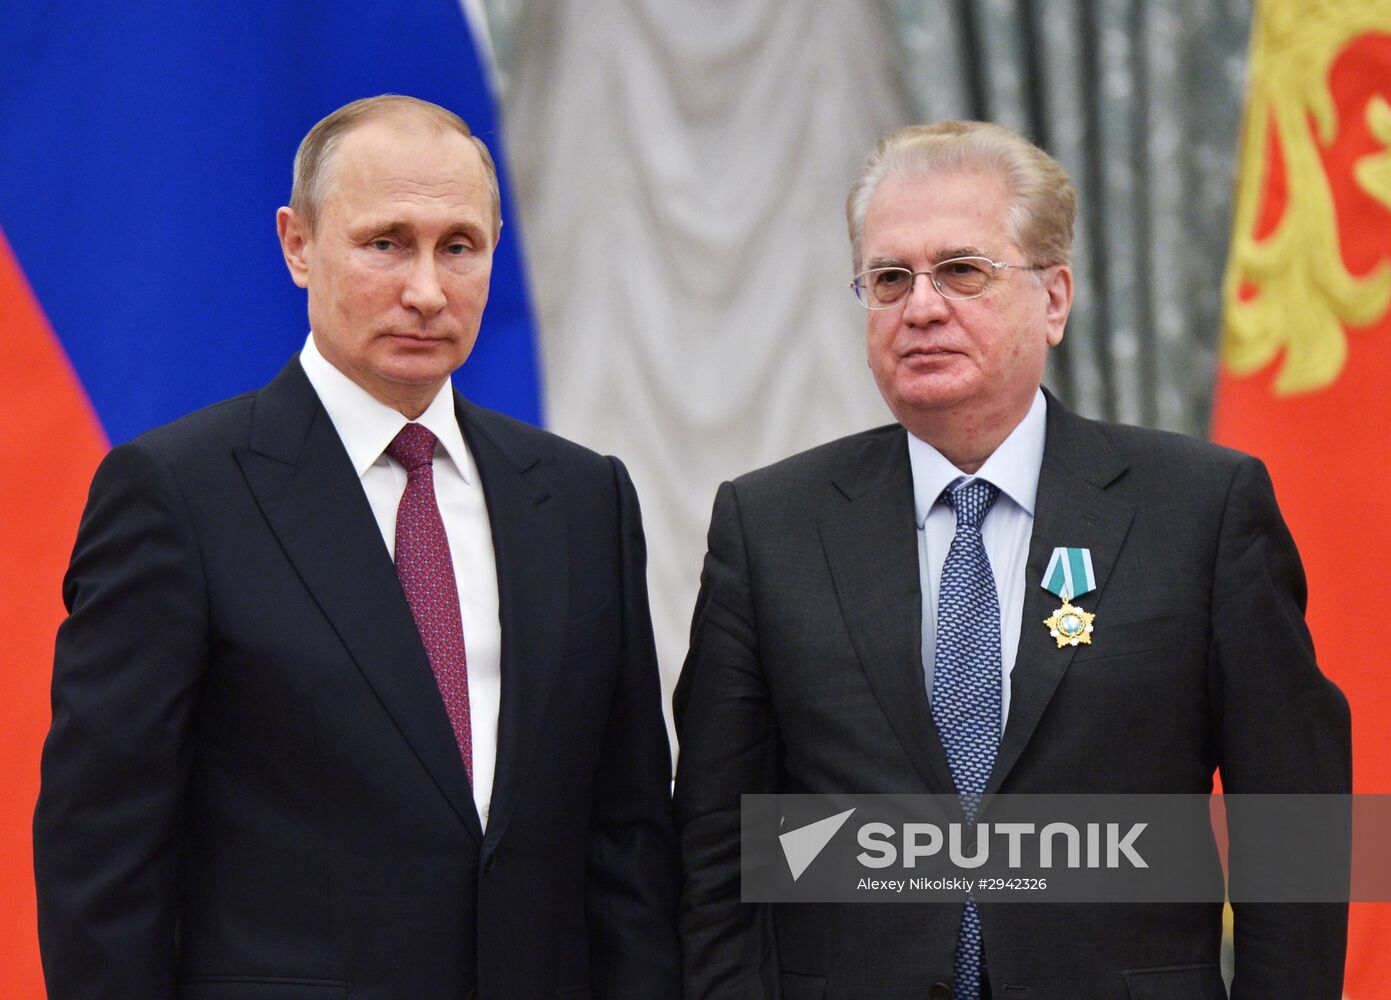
{"x":804,"y":675}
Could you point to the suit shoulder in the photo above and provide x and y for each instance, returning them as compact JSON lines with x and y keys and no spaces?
{"x":816,"y":464}
{"x":515,"y":435}
{"x":1167,"y":452}
{"x":189,"y":457}
{"x":1155,"y":469}
{"x":797,"y":487}
{"x":194,"y":434}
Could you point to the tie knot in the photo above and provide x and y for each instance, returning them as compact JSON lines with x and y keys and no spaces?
{"x":971,"y":502}
{"x":413,"y":447}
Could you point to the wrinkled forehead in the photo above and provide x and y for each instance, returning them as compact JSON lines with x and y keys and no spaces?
{"x":931,"y":217}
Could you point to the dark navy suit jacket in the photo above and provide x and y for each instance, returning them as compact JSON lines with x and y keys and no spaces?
{"x":251,"y":788}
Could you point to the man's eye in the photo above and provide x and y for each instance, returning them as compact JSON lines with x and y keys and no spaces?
{"x":457,"y":249}
{"x":889,"y":279}
{"x":961,"y":269}
{"x":382,"y":244}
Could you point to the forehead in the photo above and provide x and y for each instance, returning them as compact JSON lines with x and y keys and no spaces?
{"x":914,"y":216}
{"x":383,"y":165}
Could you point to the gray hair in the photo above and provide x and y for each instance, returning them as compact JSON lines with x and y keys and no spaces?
{"x":314,"y":161}
{"x":1043,"y":200}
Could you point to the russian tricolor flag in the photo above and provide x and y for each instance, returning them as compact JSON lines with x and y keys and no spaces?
{"x":144,"y":149}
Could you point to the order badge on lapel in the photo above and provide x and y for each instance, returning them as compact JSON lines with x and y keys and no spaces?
{"x":1069,"y":574}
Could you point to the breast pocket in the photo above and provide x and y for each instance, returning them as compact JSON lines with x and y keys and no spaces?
{"x":1176,"y":982}
{"x":247,"y":988}
{"x":796,"y":986}
{"x":1149,"y":635}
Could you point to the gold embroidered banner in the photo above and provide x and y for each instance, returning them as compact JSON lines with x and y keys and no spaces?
{"x":1306,"y":350}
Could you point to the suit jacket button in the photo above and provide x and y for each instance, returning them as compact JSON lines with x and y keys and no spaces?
{"x":491,"y":863}
{"x":939,"y":991}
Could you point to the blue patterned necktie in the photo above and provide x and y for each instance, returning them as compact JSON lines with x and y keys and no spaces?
{"x":966,"y":685}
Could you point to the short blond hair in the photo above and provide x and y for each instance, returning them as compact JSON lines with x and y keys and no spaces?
{"x":314,"y":160}
{"x":1043,"y":200}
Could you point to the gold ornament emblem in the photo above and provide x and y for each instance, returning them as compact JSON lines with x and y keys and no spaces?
{"x":1288,"y":290}
{"x":1071,"y":625}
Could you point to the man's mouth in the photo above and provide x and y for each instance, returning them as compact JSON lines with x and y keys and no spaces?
{"x":928,"y":352}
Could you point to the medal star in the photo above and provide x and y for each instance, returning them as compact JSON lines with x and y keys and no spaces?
{"x":1071,"y":625}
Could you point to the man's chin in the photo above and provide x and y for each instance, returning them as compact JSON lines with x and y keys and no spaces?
{"x":418,"y":376}
{"x":927,"y":392}
{"x":413,"y":372}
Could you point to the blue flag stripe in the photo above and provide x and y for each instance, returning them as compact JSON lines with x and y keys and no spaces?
{"x":144,"y":162}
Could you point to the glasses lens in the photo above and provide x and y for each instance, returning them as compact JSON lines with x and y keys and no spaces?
{"x":963,"y":278}
{"x":883,"y":286}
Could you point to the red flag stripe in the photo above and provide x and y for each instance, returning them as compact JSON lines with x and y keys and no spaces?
{"x":50,"y":443}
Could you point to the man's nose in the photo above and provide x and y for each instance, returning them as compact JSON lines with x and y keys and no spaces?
{"x":423,"y":291}
{"x":924,"y":303}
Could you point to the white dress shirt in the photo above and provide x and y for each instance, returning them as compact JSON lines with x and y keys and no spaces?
{"x":366,"y":426}
{"x":1014,"y":468}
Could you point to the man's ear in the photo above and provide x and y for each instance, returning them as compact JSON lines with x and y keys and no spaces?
{"x":1058,"y":285}
{"x":294,"y":239}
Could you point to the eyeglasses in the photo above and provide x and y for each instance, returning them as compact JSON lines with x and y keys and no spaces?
{"x":958,"y":278}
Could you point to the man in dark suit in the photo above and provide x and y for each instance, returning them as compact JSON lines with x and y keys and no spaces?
{"x":831,"y":652}
{"x":357,"y":694}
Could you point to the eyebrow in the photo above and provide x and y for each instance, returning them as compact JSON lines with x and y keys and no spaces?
{"x":397,"y":227}
{"x":376,"y":227}
{"x":951,"y":253}
{"x":947,"y":253}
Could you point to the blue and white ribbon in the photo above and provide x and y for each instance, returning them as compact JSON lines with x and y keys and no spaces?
{"x":1069,"y":574}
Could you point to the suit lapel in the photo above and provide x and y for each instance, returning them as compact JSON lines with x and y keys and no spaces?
{"x":868,"y":536}
{"x":533,"y":576}
{"x":1072,"y":509}
{"x":300,"y":475}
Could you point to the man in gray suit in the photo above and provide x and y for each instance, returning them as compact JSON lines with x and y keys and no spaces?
{"x":834,"y":651}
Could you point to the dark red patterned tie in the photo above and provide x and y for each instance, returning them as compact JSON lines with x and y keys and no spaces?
{"x":427,"y":576}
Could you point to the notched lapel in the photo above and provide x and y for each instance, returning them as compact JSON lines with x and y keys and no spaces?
{"x":1072,"y":509}
{"x":304,"y":482}
{"x":872,"y":551}
{"x":529,"y":544}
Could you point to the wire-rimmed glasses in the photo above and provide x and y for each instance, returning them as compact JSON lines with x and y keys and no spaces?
{"x":958,"y":278}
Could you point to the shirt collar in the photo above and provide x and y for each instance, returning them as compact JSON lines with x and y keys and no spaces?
{"x":366,"y":425}
{"x":1013,"y":466}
